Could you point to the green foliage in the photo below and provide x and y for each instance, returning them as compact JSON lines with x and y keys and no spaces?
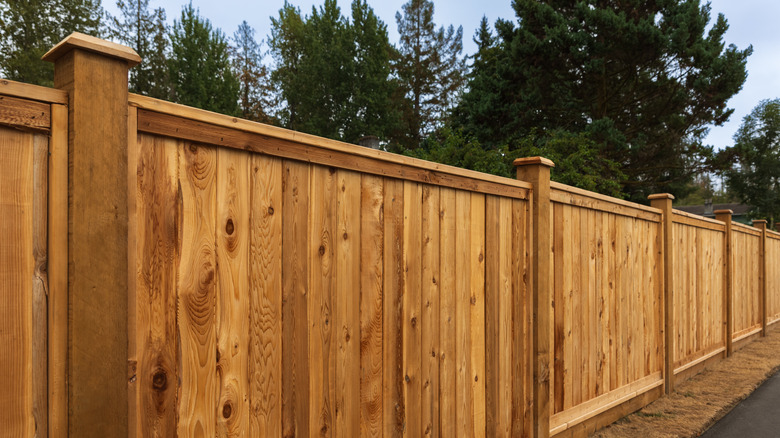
{"x":255,"y":91}
{"x":454,"y":148}
{"x":333,"y":73}
{"x":752,"y":165}
{"x":200,"y":68}
{"x":28,"y":29}
{"x":578,"y":160}
{"x":430,"y":71}
{"x":641,"y":79}
{"x":147,"y":33}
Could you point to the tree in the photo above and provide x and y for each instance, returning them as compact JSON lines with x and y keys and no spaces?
{"x":752,"y":168}
{"x":333,"y":74}
{"x":200,"y":69}
{"x":146,"y":32}
{"x":429,"y":69}
{"x":28,"y":29}
{"x":255,"y":92}
{"x":642,"y":79}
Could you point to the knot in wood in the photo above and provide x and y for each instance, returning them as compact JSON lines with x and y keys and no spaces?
{"x":227,"y":410}
{"x":159,"y":380}
{"x":229,"y":227}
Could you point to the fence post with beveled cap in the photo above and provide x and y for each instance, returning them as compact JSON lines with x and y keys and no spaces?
{"x":663,"y":202}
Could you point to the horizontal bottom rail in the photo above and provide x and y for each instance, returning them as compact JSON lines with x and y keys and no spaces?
{"x":701,"y":359}
{"x":746,"y":333}
{"x":589,"y":409}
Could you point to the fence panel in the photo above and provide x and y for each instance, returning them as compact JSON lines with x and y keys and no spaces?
{"x":607,"y":304}
{"x":699,"y":290}
{"x":746,"y":307}
{"x":773,"y":276}
{"x":277,"y":296}
{"x":32,"y":265}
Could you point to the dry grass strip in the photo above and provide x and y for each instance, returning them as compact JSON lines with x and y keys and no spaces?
{"x":704,"y":399}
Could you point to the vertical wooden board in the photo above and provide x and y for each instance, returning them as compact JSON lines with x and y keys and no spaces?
{"x":593,"y":340}
{"x":640,"y":293}
{"x":606,"y":302}
{"x":646,"y":298}
{"x":559,"y":325}
{"x":295,"y":291}
{"x":701,"y":290}
{"x":622,"y":356}
{"x":477,"y":326}
{"x":567,"y":267}
{"x":522,"y":390}
{"x":577,"y":294}
{"x":133,"y":398}
{"x":505,"y":318}
{"x":58,"y":271}
{"x":157,"y":253}
{"x":348,"y":267}
{"x":412,"y":298}
{"x":232,"y":231}
{"x":371,"y":296}
{"x":322,"y":302}
{"x":463,"y":399}
{"x":197,"y":291}
{"x":430,"y":311}
{"x":492,"y":363}
{"x":447,"y":320}
{"x":16,"y":271}
{"x":265,"y":328}
{"x":394,"y":410}
{"x":40,"y":286}
{"x":598,"y":273}
{"x":614,"y":302}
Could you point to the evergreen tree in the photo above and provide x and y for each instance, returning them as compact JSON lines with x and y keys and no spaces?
{"x":640,"y":79}
{"x":146,"y":32}
{"x":333,"y":74}
{"x":200,"y":67}
{"x":753,"y":163}
{"x":255,"y":93}
{"x":28,"y":29}
{"x":429,"y":69}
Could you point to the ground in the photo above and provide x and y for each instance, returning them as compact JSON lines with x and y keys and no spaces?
{"x":705,"y":398}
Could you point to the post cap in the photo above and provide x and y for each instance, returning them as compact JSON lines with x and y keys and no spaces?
{"x":660,"y":196}
{"x":759,"y":221}
{"x":528,"y":161}
{"x":724,"y":211}
{"x":78,"y":40}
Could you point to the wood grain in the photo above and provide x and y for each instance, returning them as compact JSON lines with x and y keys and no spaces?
{"x":295,"y":291}
{"x":232,"y":312}
{"x":393,"y":408}
{"x":25,"y":113}
{"x":447,"y":319}
{"x":412,"y":299}
{"x":464,"y":377}
{"x":265,"y":349}
{"x":348,"y":268}
{"x":197,"y":294}
{"x":17,"y":267}
{"x":371,"y":302}
{"x":40,"y":285}
{"x":158,"y":253}
{"x":477,"y":310}
{"x":430,"y":311}
{"x":33,"y":92}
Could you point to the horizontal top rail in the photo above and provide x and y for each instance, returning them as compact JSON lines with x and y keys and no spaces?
{"x":747,"y":229}
{"x":565,"y":194}
{"x":682,"y":217}
{"x":772,"y":234}
{"x":179,"y":121}
{"x":33,"y":92}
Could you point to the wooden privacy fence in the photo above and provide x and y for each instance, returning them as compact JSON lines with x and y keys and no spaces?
{"x":174,"y":272}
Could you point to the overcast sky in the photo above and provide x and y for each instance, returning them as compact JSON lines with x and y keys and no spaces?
{"x":751,"y":22}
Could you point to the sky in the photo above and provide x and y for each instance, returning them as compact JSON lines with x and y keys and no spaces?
{"x":751,"y":22}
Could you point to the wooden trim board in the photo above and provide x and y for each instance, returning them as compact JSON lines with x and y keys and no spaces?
{"x":33,"y":92}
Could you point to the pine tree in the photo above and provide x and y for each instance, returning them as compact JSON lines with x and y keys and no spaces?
{"x":28,"y":29}
{"x":429,"y":69}
{"x":753,"y":163}
{"x":146,"y":32}
{"x":287,"y":43}
{"x":255,"y":92}
{"x":200,"y":68}
{"x":641,"y":79}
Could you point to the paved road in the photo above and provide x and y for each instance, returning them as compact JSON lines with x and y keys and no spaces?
{"x":758,"y":416}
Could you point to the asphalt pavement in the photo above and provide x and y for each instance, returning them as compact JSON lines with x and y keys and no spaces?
{"x":758,"y":416}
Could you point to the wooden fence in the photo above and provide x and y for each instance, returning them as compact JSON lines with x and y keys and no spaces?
{"x":174,"y":272}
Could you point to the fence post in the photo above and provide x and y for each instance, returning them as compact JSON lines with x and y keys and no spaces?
{"x":663,"y":202}
{"x":94,"y":73}
{"x":761,"y":225}
{"x":536,"y":170}
{"x":725,"y":217}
